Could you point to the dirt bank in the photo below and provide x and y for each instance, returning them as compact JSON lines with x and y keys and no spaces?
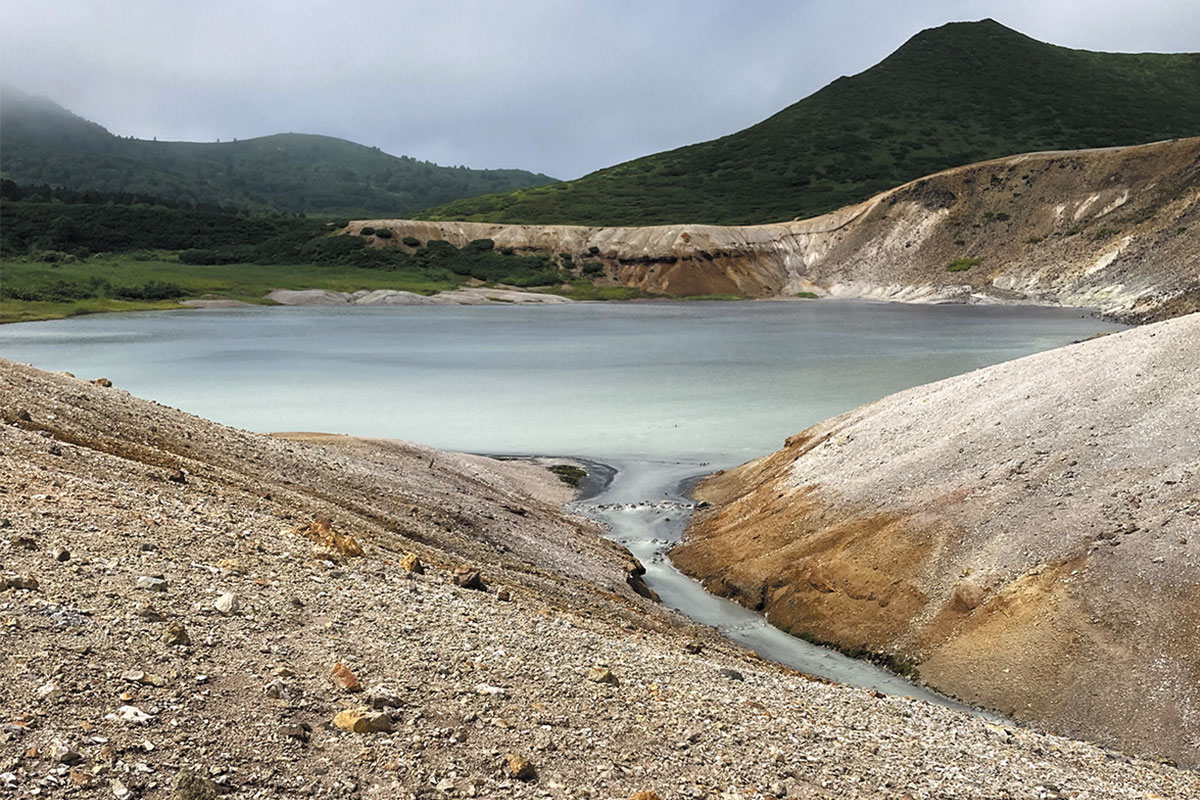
{"x":1027,"y":535}
{"x":1116,"y":228}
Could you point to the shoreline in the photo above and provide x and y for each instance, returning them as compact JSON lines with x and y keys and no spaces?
{"x":228,"y":304}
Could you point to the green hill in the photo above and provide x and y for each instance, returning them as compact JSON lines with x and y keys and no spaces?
{"x":43,"y":143}
{"x":952,"y":95}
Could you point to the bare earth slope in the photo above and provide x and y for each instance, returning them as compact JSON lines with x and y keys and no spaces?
{"x":1116,"y":228}
{"x":124,"y":662}
{"x":1028,"y":535}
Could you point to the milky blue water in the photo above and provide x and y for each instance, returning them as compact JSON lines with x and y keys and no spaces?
{"x":709,"y":381}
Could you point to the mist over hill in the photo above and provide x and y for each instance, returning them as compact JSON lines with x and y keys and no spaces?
{"x":43,"y":143}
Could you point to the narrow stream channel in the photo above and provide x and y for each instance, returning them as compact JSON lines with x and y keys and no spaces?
{"x":644,"y":505}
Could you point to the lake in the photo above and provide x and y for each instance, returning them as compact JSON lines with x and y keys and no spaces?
{"x":703,"y":380}
{"x":662,"y":391}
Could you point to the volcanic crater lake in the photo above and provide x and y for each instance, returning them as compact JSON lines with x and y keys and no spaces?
{"x":661,"y":391}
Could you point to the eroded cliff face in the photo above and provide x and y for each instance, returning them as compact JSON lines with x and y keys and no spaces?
{"x":1116,"y":228}
{"x":1027,"y":535}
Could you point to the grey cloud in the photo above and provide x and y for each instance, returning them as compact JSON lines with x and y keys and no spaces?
{"x":558,"y":87}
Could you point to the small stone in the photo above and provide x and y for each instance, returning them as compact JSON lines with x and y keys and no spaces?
{"x":176,"y":635}
{"x":343,"y":678}
{"x":144,"y":678}
{"x":468,"y":578}
{"x":731,"y":674}
{"x":49,"y":691}
{"x":521,"y":768}
{"x":60,"y":752}
{"x":26,"y":582}
{"x":645,"y":796}
{"x":190,"y":785}
{"x":147,"y":612}
{"x":300,"y":731}
{"x":413,"y":564}
{"x":23,"y":542}
{"x":152,"y":583}
{"x":693,"y":647}
{"x":602,"y":674}
{"x":104,"y":382}
{"x":278,"y":690}
{"x":133,"y":715}
{"x":227,"y":604}
{"x":284,"y":672}
{"x":61,"y":554}
{"x":503,"y":595}
{"x":178,"y":476}
{"x":382,"y":699}
{"x":120,"y":790}
{"x":362,"y":720}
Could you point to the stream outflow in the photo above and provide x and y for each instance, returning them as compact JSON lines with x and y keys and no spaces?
{"x":645,"y":506}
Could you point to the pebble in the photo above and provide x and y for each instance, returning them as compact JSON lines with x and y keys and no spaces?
{"x":227,"y":604}
{"x":344,"y":679}
{"x":362,"y":720}
{"x":602,"y":674}
{"x":49,"y":691}
{"x":191,"y":785}
{"x":521,"y":768}
{"x":176,"y":634}
{"x":468,"y":578}
{"x":412,"y":564}
{"x":152,"y":583}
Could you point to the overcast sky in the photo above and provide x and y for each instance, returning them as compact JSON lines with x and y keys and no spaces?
{"x":560,"y":87}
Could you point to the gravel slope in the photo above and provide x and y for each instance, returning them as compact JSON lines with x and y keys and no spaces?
{"x":111,"y":554}
{"x":1027,"y":535}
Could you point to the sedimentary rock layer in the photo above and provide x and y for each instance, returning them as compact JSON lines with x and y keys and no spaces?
{"x":1115,"y":228}
{"x":1027,"y":535}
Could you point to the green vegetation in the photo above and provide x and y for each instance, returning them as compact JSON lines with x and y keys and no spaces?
{"x":807,"y":295}
{"x":61,"y":256}
{"x":952,"y":95}
{"x":962,"y":264}
{"x":43,"y":143}
{"x":569,"y":474}
{"x":34,"y":289}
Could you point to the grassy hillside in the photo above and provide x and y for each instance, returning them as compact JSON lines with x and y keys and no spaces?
{"x":952,"y":95}
{"x":64,"y":253}
{"x":43,"y":143}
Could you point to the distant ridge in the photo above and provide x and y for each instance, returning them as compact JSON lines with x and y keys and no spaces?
{"x":42,"y":142}
{"x":953,"y":95}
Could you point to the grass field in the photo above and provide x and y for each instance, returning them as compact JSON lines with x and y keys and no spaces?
{"x":246,"y":282}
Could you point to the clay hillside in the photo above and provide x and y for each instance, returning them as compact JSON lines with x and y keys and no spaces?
{"x":193,"y":611}
{"x":1027,"y":536}
{"x":1117,"y":229}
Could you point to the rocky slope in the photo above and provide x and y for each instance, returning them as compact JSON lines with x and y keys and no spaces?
{"x":1116,"y":228}
{"x":1027,"y":535}
{"x":178,"y":621}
